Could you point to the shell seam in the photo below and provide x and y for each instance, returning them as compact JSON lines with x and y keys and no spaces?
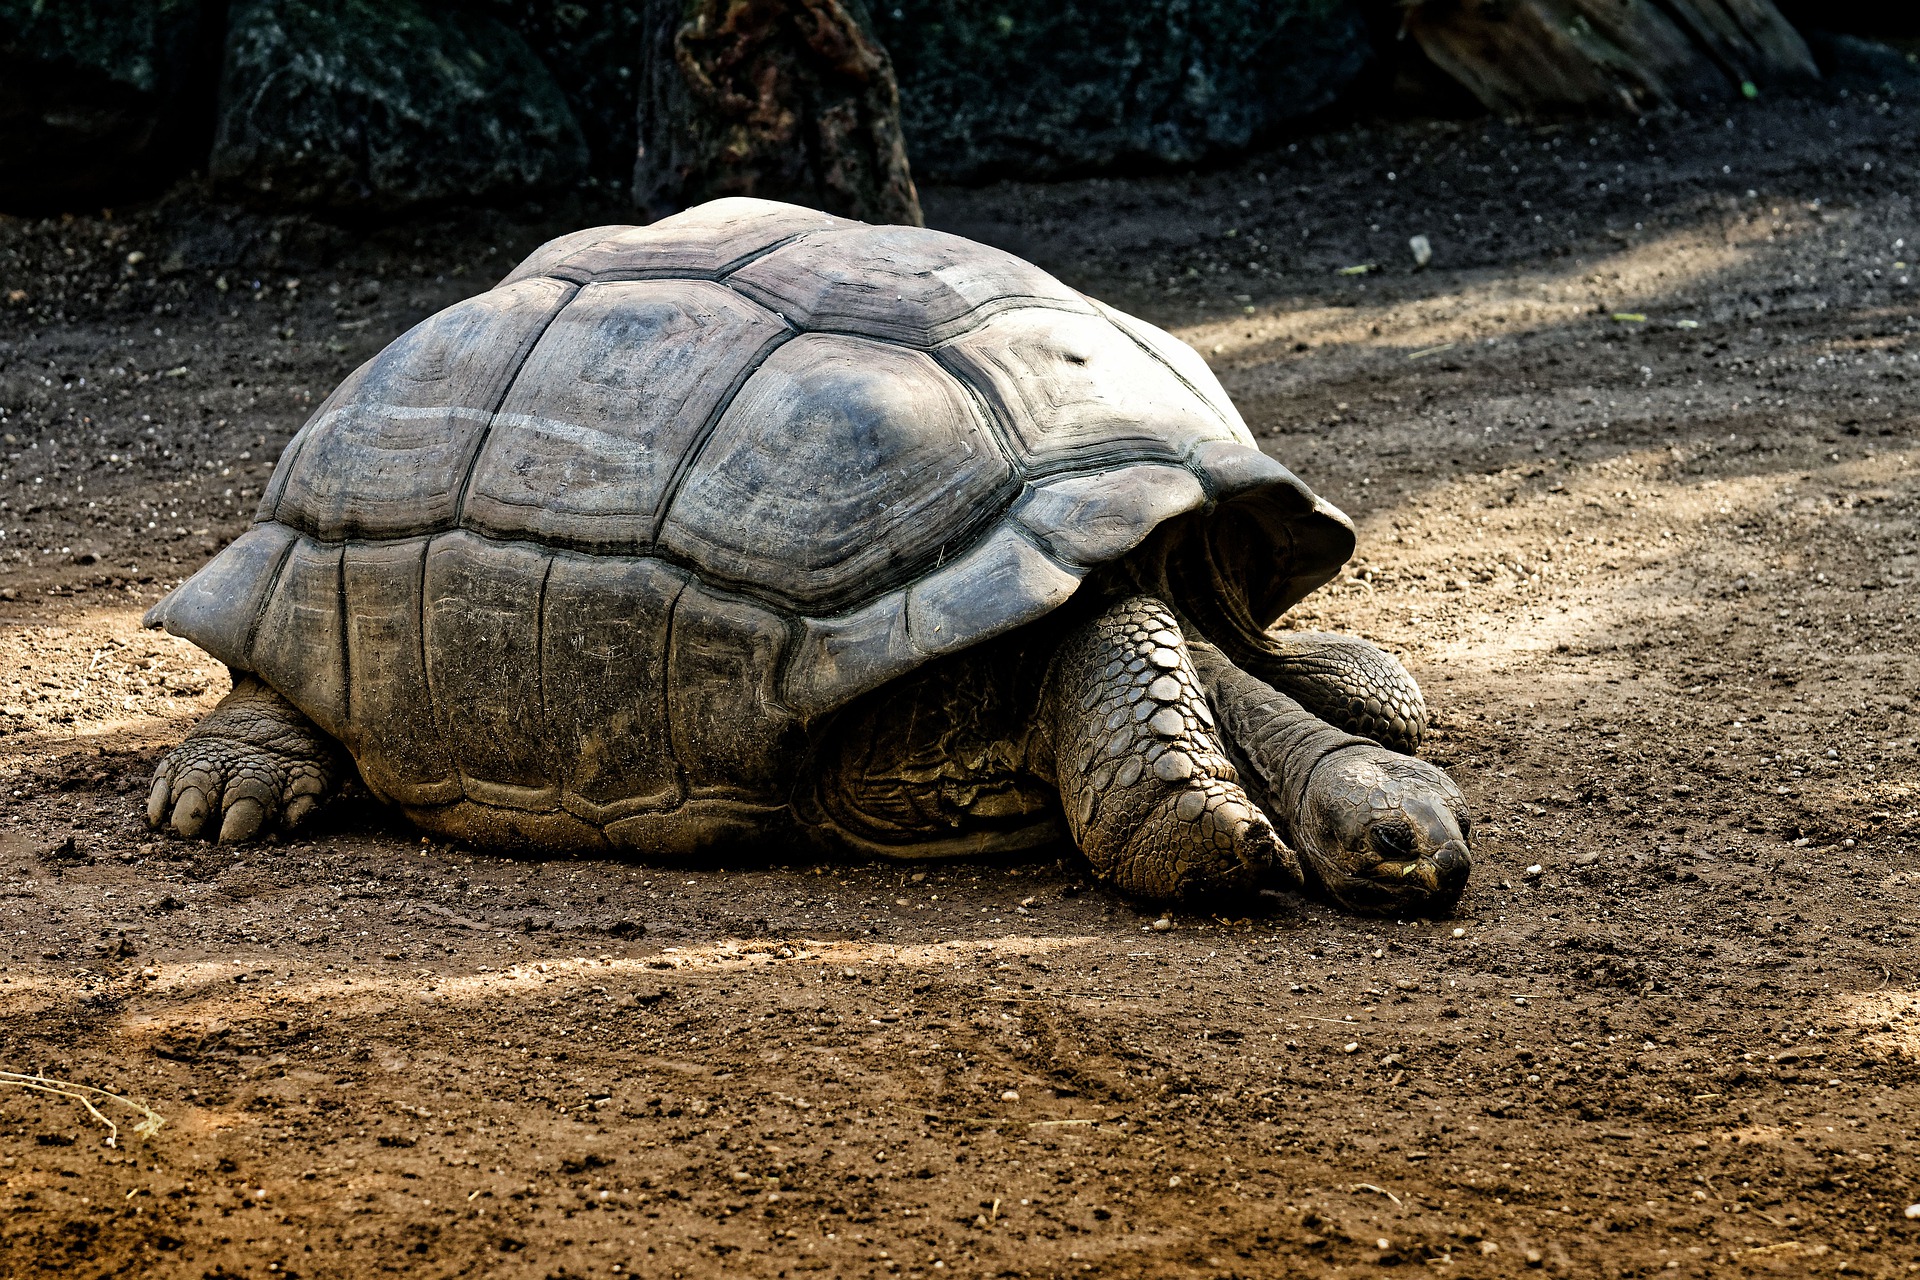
{"x":266,"y":597}
{"x":697,"y":447}
{"x":485,"y":433}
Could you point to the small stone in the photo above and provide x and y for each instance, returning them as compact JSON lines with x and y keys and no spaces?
{"x":1534,"y":871}
{"x":1175,"y":766}
{"x":1162,"y":925}
{"x":1010,"y":1095}
{"x":1533,"y":1257}
{"x":1586,"y":859}
{"x":1488,"y":1248}
{"x":1352,"y":1046}
{"x":1913,"y":1211}
{"x":1459,"y":933}
{"x":1165,"y":659}
{"x":1422,"y":250}
{"x":8,"y":593}
{"x":1167,"y":722}
{"x":1383,"y":1244}
{"x":1164,"y":689}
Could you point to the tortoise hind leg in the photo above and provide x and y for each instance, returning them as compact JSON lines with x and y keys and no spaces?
{"x":255,"y":761}
{"x":1150,"y":795}
{"x":1347,"y":682}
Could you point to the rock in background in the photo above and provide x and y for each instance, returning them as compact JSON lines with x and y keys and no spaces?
{"x":593,"y":51}
{"x":1543,"y":57}
{"x":992,"y":90}
{"x":782,"y":99}
{"x":375,"y":105}
{"x":100,"y":99}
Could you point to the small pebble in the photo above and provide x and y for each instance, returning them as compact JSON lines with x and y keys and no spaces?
{"x":1422,"y":254}
{"x":1162,"y":925}
{"x":1459,"y":933}
{"x":1352,"y":1046}
{"x":1383,"y":1244}
{"x":1913,"y":1211}
{"x":1585,"y":859}
{"x":1534,"y":870}
{"x":1011,"y":1095}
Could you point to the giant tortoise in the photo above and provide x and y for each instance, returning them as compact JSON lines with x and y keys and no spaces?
{"x":757,"y":524}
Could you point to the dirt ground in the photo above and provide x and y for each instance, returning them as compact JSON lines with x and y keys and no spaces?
{"x":1636,"y":467}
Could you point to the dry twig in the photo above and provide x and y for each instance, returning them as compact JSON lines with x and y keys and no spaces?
{"x":150,"y":1120}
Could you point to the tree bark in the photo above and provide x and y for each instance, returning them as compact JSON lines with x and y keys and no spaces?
{"x":1530,"y":57}
{"x":781,"y":99}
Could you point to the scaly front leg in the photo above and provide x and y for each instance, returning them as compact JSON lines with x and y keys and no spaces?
{"x":1151,"y":797}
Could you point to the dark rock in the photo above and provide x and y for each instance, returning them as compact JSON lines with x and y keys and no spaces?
{"x":67,"y":851}
{"x":1548,"y":57}
{"x":101,"y":99}
{"x":995,"y":91}
{"x":592,"y":49}
{"x":354,"y":105}
{"x":1864,"y":66}
{"x":782,"y":99}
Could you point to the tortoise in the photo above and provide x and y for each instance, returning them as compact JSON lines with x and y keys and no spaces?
{"x":760,"y":524}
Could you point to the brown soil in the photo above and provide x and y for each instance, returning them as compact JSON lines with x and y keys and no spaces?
{"x":1656,"y":574}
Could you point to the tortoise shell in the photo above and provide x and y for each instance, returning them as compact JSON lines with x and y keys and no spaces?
{"x":600,"y":537}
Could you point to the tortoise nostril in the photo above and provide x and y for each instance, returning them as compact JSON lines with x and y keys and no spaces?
{"x":1393,"y":840}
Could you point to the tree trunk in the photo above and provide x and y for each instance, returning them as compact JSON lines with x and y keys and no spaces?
{"x":1525,"y":57}
{"x":782,"y":99}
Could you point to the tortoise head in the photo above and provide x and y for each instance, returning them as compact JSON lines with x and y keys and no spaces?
{"x":1384,"y":833}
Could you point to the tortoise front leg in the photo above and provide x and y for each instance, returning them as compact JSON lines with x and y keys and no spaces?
{"x":1150,"y":795}
{"x":1347,"y":682}
{"x":255,"y":762}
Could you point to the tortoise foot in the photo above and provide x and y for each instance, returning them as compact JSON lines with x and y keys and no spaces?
{"x":254,"y":765}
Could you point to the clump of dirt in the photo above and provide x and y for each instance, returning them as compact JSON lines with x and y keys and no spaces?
{"x":1635,"y":468}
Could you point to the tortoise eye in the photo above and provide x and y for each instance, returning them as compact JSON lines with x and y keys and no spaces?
{"x":1466,"y":827}
{"x":1393,"y":840}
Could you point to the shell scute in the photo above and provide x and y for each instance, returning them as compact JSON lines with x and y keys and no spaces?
{"x":390,"y":456}
{"x":703,"y":242}
{"x":842,"y":466}
{"x":482,"y":644}
{"x":606,"y":620}
{"x":1071,"y":391}
{"x":899,"y":284}
{"x":620,"y":388}
{"x":402,"y":756}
